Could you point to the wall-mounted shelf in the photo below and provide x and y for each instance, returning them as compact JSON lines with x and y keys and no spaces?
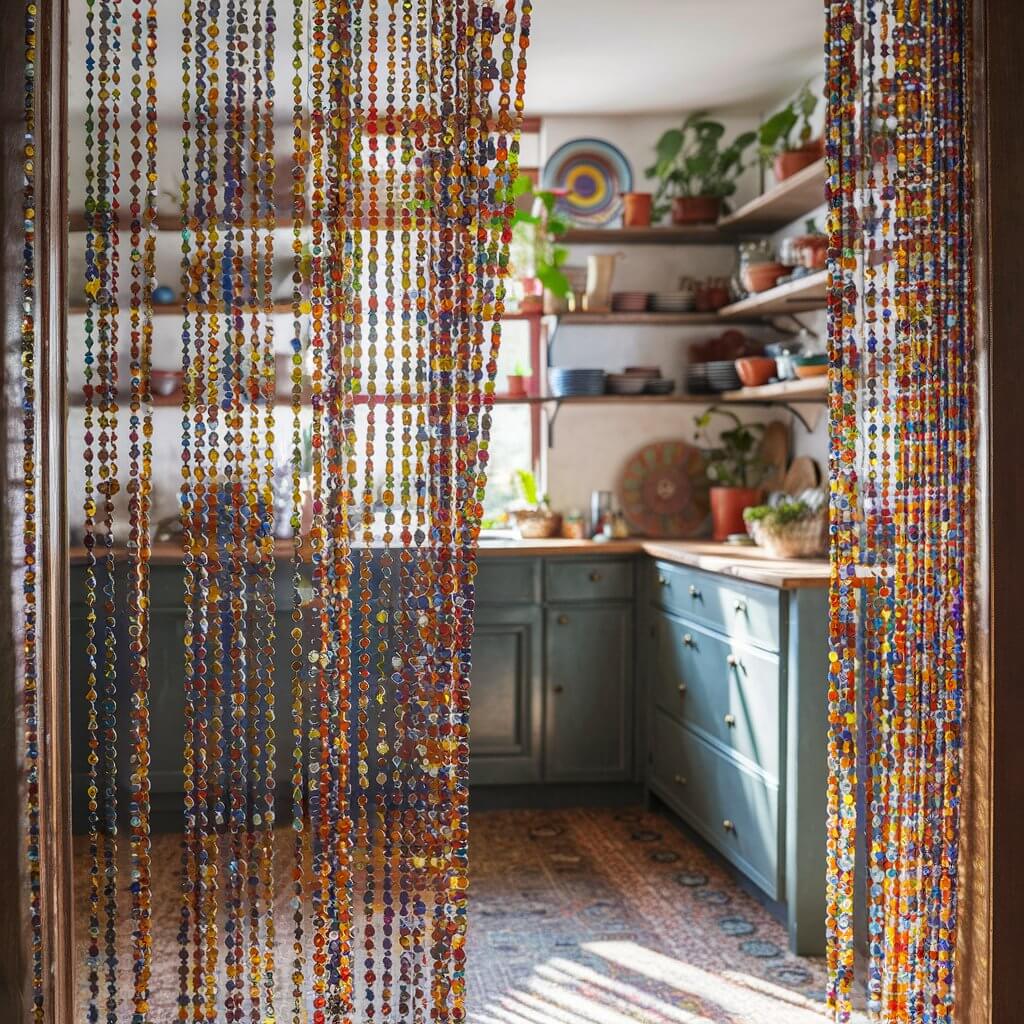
{"x":811,"y":389}
{"x":799,"y":296}
{"x":790,"y":199}
{"x":669,"y":234}
{"x":639,"y":319}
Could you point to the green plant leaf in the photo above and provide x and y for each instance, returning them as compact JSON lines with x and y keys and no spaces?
{"x":559,"y":255}
{"x":553,"y":279}
{"x":521,"y":186}
{"x":557,"y":225}
{"x":669,"y":145}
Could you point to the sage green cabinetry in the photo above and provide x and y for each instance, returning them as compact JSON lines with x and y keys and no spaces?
{"x":735,"y":690}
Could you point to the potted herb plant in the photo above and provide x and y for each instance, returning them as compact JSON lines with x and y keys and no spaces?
{"x":734,"y":469}
{"x":695,"y":172}
{"x":533,"y":253}
{"x":775,"y":141}
{"x":535,"y":518}
{"x":516,"y":380}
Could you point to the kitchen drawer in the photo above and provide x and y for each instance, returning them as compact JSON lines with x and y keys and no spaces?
{"x":588,"y":579}
{"x":725,"y":690}
{"x":734,"y":808}
{"x":737,"y":608}
{"x":508,"y":580}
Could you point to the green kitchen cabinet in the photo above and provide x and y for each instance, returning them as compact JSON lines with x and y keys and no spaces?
{"x":506,"y":709}
{"x":589,"y":692}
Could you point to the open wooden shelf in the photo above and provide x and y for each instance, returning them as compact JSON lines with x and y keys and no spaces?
{"x":669,"y":234}
{"x":811,"y":389}
{"x":799,"y":296}
{"x":790,"y":199}
{"x":640,"y":319}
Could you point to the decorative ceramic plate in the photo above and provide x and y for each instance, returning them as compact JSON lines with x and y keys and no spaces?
{"x":593,"y":174}
{"x":664,"y":491}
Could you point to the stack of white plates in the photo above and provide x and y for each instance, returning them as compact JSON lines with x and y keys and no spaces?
{"x":673,"y":302}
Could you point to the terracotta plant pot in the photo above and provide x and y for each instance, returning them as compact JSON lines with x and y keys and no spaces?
{"x":759,"y":277}
{"x":516,"y":385}
{"x":727,"y":505}
{"x":755,"y":370}
{"x":696,"y":209}
{"x":636,"y":209}
{"x":787,"y":164}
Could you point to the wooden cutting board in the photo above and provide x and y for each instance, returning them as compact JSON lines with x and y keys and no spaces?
{"x":802,"y":475}
{"x":774,"y":454}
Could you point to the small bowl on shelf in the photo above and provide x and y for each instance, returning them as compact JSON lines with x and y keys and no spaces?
{"x":754,"y":371}
{"x":759,"y":277}
{"x":806,"y":367}
{"x":165,"y":382}
{"x":659,"y":386}
{"x":625,"y":383}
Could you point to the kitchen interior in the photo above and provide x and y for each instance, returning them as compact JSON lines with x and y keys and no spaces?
{"x":648,"y":754}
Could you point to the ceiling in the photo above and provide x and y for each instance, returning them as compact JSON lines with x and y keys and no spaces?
{"x":597,"y":56}
{"x":645,"y":56}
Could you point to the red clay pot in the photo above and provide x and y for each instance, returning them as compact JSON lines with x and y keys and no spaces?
{"x":636,"y":209}
{"x":793,"y":160}
{"x":696,"y":209}
{"x":516,"y":385}
{"x":727,"y":505}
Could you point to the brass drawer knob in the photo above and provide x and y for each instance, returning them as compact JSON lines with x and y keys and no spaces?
{"x":663,"y":582}
{"x":596,"y":577}
{"x":730,"y":720}
{"x":563,"y":620}
{"x":728,"y":826}
{"x":557,"y":688}
{"x":740,"y":607}
{"x":688,"y":639}
{"x":682,"y":689}
{"x":694,"y":592}
{"x":680,"y":780}
{"x":732,"y":661}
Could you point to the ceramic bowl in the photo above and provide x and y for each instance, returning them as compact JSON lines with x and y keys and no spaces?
{"x":755,"y":370}
{"x":165,"y":382}
{"x":812,"y":370}
{"x":759,"y":277}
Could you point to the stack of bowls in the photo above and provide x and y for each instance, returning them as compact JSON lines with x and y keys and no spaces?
{"x":697,"y":382}
{"x":570,"y":383}
{"x":629,"y":302}
{"x":626,"y":383}
{"x":681,"y":301}
{"x":722,"y":375}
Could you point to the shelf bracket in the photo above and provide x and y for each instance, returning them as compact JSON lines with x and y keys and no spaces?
{"x":550,"y":322}
{"x":552,"y":415}
{"x":790,"y":407}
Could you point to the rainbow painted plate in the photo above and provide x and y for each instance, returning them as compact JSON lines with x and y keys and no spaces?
{"x":663,"y":491}
{"x":592,"y":174}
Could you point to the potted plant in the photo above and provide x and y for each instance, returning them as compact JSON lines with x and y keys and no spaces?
{"x":516,"y":380}
{"x":792,"y":528}
{"x":535,"y":519}
{"x":734,"y":469}
{"x":775,"y":137}
{"x":695,"y":172}
{"x":533,"y":253}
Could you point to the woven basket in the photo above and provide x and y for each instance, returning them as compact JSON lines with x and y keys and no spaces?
{"x":802,"y":539}
{"x":537,"y":523}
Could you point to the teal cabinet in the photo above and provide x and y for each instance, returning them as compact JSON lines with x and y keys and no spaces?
{"x":736,"y":719}
{"x":506,"y":695}
{"x":589,"y":693}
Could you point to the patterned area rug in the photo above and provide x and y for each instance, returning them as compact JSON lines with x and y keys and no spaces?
{"x":577,"y":917}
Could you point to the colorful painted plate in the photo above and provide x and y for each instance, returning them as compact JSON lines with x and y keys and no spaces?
{"x":593,"y":174}
{"x":664,"y":491}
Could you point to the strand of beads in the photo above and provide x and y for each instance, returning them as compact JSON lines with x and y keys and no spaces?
{"x":30,"y":526}
{"x":143,"y":274}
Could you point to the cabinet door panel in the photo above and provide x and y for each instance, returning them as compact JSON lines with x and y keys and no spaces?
{"x":589,"y":700}
{"x":505,"y":709}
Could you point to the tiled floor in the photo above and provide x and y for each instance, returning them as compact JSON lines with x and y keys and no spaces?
{"x":577,"y":917}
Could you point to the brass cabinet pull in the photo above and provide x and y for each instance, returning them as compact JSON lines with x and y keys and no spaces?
{"x":730,"y":720}
{"x":694,"y":592}
{"x":663,"y":582}
{"x":680,"y":780}
{"x":740,"y":607}
{"x":728,"y":826}
{"x":732,"y":661}
{"x":596,"y":577}
{"x":563,"y":620}
{"x":557,"y":688}
{"x":682,"y":689}
{"x":688,"y":639}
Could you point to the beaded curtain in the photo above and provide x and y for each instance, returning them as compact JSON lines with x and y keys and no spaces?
{"x":396,"y":193}
{"x":901,"y":416}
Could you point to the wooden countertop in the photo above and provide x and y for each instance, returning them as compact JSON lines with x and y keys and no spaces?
{"x":745,"y":563}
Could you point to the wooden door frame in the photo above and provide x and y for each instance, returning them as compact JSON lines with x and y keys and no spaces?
{"x":993,"y":846}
